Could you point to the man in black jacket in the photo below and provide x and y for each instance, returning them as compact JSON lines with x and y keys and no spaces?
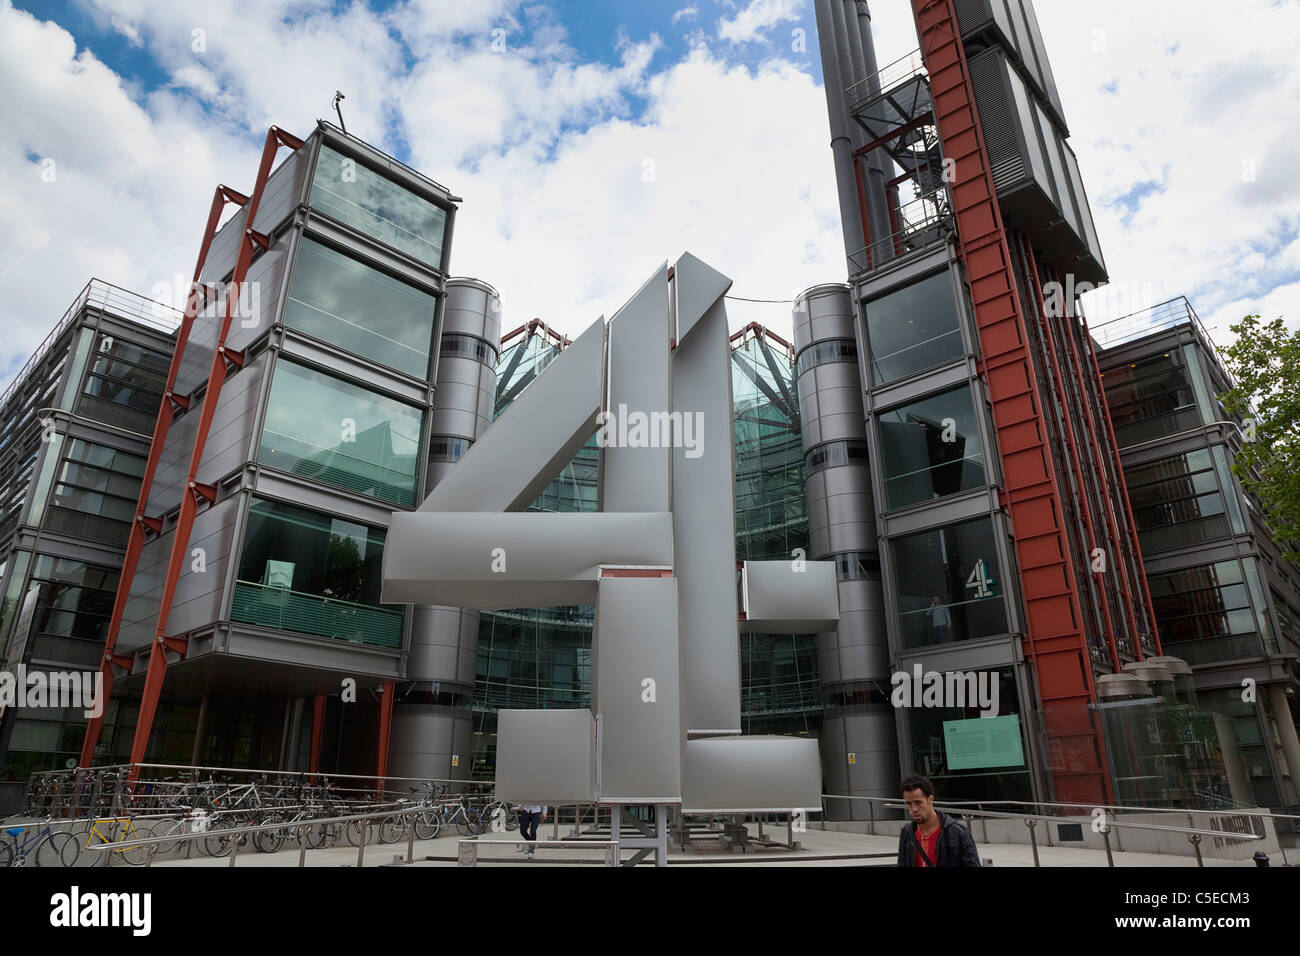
{"x":933,"y":838}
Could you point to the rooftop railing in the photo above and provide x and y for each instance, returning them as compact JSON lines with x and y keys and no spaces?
{"x":107,"y":298}
{"x":1157,"y":318}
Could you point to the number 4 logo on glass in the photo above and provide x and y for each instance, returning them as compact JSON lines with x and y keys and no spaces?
{"x":979,"y":580}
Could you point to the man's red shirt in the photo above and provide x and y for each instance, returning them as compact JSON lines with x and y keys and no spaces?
{"x":928,"y":843}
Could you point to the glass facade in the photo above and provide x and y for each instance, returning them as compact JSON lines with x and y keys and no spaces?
{"x":913,"y":328}
{"x":1176,"y":501}
{"x":949,"y":584}
{"x":124,"y":384}
{"x":966,"y":755}
{"x":96,"y":492}
{"x":930,"y":449}
{"x":314,"y":573}
{"x":359,"y":197}
{"x":1151,"y":398}
{"x":337,"y":299}
{"x":340,"y":434}
{"x":1205,"y":613}
{"x":780,"y":688}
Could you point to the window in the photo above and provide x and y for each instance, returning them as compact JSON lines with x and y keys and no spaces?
{"x":125,"y":383}
{"x":931,"y":449}
{"x":96,"y":492}
{"x":338,"y":300}
{"x":314,"y":573}
{"x":833,"y":454}
{"x":1151,"y":398}
{"x":835,"y":350}
{"x":1209,"y":603}
{"x":949,"y":584}
{"x":340,"y":434}
{"x":913,"y":328}
{"x":467,"y":346}
{"x":1176,"y":501}
{"x":359,"y":197}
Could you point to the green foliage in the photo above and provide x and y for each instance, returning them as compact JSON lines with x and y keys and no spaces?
{"x":1265,"y":360}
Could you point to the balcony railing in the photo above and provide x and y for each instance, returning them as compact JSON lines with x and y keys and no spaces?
{"x":1158,"y":318}
{"x":923,"y":222}
{"x":311,"y":614}
{"x":885,"y":79}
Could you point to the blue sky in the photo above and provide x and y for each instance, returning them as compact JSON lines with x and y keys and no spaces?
{"x":603,"y":138}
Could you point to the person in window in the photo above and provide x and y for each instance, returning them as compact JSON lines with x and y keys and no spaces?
{"x":940,"y":622}
{"x":933,"y":838}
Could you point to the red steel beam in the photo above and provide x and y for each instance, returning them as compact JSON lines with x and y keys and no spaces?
{"x":1071,"y":439}
{"x":317,"y":733}
{"x":1054,"y":643}
{"x":1117,"y":464}
{"x":385,"y":731}
{"x":166,"y":413}
{"x":217,"y":373}
{"x":1107,"y":489}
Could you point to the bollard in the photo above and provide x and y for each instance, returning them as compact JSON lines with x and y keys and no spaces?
{"x":361,"y":847}
{"x":234,"y":850}
{"x":410,"y":843}
{"x":302,"y":846}
{"x":1033,"y":838}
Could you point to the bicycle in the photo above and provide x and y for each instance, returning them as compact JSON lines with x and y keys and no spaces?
{"x":135,"y":855}
{"x":47,"y":847}
{"x":467,"y":820}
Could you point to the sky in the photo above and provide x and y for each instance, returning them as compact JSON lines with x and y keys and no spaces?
{"x":592,"y":141}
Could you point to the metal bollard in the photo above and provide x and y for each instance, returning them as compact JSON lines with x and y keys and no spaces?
{"x":302,"y":846}
{"x":361,"y":846}
{"x":1033,"y":838}
{"x":234,"y":850}
{"x":410,"y":843}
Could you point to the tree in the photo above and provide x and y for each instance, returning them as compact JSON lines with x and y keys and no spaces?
{"x":1265,"y":360}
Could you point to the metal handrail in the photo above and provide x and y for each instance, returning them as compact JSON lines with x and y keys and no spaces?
{"x":886,"y":78}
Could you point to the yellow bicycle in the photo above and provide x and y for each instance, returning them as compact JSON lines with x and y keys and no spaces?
{"x":116,"y":830}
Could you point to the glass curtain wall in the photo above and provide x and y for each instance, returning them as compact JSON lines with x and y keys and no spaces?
{"x":931,"y":449}
{"x":950,"y":585}
{"x":913,"y":328}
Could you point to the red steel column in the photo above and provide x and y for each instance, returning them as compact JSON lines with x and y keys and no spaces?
{"x":1118,"y":465}
{"x":166,"y":412}
{"x":1055,"y":642}
{"x":275,"y":138}
{"x":385,"y":731}
{"x":317,"y":732}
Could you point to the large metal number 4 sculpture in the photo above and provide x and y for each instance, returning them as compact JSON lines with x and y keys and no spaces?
{"x":657,"y":561}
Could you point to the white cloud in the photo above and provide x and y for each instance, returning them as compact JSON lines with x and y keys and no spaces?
{"x":756,"y":19}
{"x":686,"y":13}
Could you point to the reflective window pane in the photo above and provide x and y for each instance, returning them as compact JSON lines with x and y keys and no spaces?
{"x":913,"y":328}
{"x":950,"y":586}
{"x":357,"y":196}
{"x":1151,"y":398}
{"x":931,"y":448}
{"x":338,"y":300}
{"x":334,"y":432}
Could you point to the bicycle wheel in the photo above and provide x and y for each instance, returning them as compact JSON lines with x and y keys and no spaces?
{"x":270,"y":841}
{"x":427,"y":824}
{"x":136,"y":855}
{"x":354,"y":829}
{"x":512,"y":818}
{"x":58,"y":849}
{"x":168,"y":828}
{"x":468,"y":822}
{"x":392,"y":829}
{"x":217,"y":843}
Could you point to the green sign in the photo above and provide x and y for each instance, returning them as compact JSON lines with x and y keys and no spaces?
{"x":983,"y":742}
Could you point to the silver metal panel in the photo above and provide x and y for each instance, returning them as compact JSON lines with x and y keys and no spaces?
{"x":640,"y":386}
{"x":173,"y":465}
{"x":224,"y":248}
{"x":231,"y":443}
{"x":535,"y":559}
{"x":635,"y":640}
{"x":140,"y":616}
{"x":456,"y":423}
{"x":704,"y":530}
{"x":367,"y":374}
{"x":732,"y":774}
{"x":264,"y":284}
{"x":283,"y":187}
{"x":307,"y":494}
{"x":781,"y":598}
{"x":698,"y":288}
{"x":423,"y":741}
{"x":534,"y":438}
{"x":199,"y":589}
{"x":546,"y":756}
{"x":196,"y":360}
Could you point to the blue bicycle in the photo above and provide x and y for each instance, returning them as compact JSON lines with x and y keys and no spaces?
{"x":45,"y":846}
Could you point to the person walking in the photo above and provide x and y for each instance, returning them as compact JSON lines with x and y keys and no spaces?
{"x":933,"y":838}
{"x":530,"y":817}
